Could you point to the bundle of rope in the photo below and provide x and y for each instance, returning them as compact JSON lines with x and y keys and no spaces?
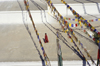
{"x":26,"y":26}
{"x":69,"y":29}
{"x":46,"y":59}
{"x":85,"y":22}
{"x":61,"y":38}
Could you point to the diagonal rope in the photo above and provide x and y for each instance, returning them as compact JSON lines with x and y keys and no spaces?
{"x":47,"y":62}
{"x":26,"y":26}
{"x":85,"y":22}
{"x":72,"y":48}
{"x":81,"y":53}
{"x":70,"y":30}
{"x":73,"y":30}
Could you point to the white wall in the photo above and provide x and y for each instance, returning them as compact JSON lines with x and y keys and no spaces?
{"x":10,"y":17}
{"x":9,"y":0}
{"x":38,"y":63}
{"x":15,"y":17}
{"x":91,"y":8}
{"x":61,"y":8}
{"x":77,"y":7}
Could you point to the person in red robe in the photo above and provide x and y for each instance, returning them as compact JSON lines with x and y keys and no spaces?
{"x":46,"y":38}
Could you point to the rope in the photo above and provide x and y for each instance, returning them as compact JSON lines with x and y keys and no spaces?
{"x":70,"y":24}
{"x":84,"y":30}
{"x":84,"y":21}
{"x":26,"y":26}
{"x":47,"y":62}
{"x":73,"y":30}
{"x":72,"y":48}
{"x":70,"y":30}
{"x":77,"y":47}
{"x":85,"y":24}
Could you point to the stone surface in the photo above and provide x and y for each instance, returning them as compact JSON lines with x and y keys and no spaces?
{"x":16,"y":44}
{"x":14,"y":6}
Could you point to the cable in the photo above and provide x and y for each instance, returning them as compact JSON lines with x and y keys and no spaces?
{"x":70,"y":30}
{"x":73,"y":47}
{"x":26,"y":26}
{"x":47,"y":62}
{"x":73,"y":30}
{"x":85,"y":22}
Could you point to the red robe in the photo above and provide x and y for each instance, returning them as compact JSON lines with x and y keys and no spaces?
{"x":98,"y":54}
{"x":46,"y":39}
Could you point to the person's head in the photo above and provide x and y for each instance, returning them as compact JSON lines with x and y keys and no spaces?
{"x":45,"y":33}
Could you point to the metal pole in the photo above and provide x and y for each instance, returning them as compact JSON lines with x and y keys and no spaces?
{"x":59,"y":53}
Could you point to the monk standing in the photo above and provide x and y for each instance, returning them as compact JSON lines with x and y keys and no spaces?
{"x":46,"y":38}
